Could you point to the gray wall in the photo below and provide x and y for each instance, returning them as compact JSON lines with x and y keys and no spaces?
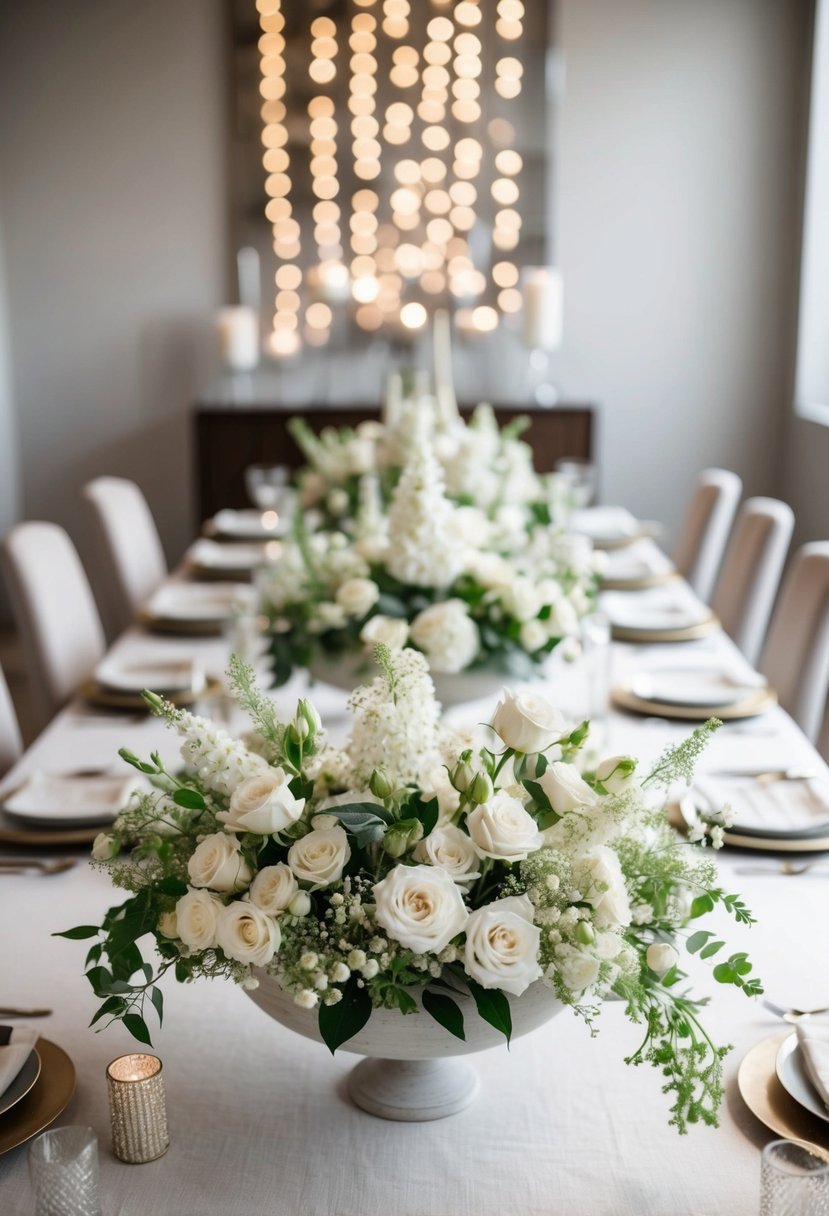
{"x":677,"y":218}
{"x":113,"y":204}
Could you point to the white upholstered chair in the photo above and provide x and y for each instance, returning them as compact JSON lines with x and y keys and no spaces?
{"x":795,"y":658}
{"x":126,"y":560}
{"x":705,"y":528}
{"x":11,"y":745}
{"x":55,"y":612}
{"x":747,"y":586}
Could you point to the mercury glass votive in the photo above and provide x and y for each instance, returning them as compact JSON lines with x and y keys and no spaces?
{"x":137,"y":1108}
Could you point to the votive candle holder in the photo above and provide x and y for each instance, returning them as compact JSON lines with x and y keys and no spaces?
{"x":137,"y":1108}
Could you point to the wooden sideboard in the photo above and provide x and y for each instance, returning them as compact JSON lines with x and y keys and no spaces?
{"x":228,"y":438}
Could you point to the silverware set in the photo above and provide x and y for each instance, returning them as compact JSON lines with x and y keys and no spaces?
{"x":32,"y":865}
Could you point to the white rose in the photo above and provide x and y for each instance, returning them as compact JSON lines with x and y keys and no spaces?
{"x":566,"y":788}
{"x":606,"y":889}
{"x":501,"y":948}
{"x":578,"y":969}
{"x":327,"y":615}
{"x":320,"y":857}
{"x":389,"y":630}
{"x":104,"y":847}
{"x":617,"y":774}
{"x":533,"y":635}
{"x":447,"y":635}
{"x":521,"y":599}
{"x":273,"y":888}
{"x":357,"y":596}
{"x":490,"y":570}
{"x":217,"y":863}
{"x":420,"y":907}
{"x":526,"y":722}
{"x":661,"y":957}
{"x":563,"y":621}
{"x":451,"y":850}
{"x":245,"y":933}
{"x":262,"y":804}
{"x":197,"y":914}
{"x":501,"y":828}
{"x":168,"y":924}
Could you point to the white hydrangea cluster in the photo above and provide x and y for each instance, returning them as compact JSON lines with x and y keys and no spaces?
{"x":424,"y":546}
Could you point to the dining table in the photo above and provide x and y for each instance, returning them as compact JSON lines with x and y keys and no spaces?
{"x":260,"y":1122}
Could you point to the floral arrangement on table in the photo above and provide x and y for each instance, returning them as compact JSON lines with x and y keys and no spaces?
{"x":411,"y":866}
{"x":469,"y":591}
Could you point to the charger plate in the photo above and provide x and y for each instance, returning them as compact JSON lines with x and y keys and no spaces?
{"x":108,"y":698}
{"x":200,"y":573}
{"x":768,"y":1101}
{"x":638,"y":584}
{"x":759,"y":702}
{"x":679,"y":814}
{"x":687,"y":633}
{"x":188,"y":626}
{"x":44,"y":1102}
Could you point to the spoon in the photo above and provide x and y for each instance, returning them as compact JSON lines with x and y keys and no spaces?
{"x":791,"y":1015}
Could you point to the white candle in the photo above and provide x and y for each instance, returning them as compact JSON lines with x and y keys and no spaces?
{"x":543,"y":291}
{"x":238,"y":331}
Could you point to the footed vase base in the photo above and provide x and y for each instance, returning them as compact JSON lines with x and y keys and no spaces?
{"x":412,"y":1091}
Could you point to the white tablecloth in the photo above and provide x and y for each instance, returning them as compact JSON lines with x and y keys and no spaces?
{"x":258,"y":1116}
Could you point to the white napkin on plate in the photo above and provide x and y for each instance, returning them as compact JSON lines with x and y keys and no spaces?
{"x":72,"y":797}
{"x":780,"y":806}
{"x":814,"y":1048}
{"x":15,"y":1054}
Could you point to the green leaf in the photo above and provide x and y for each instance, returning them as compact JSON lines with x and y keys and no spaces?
{"x":724,"y":973}
{"x":100,"y":978}
{"x":701,"y":905}
{"x":171,"y":886}
{"x":339,"y":1023}
{"x":94,"y":955}
{"x":79,"y":932}
{"x":137,"y":1027}
{"x":365,"y":826}
{"x":711,"y":949}
{"x":444,"y":1010}
{"x":191,"y":800}
{"x":157,"y":998}
{"x":540,"y":798}
{"x":492,"y":1006}
{"x":426,"y":812}
{"x":113,"y":1004}
{"x":671,"y":977}
{"x":698,"y":939}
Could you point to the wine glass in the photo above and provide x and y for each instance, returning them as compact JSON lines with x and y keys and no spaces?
{"x":581,"y":477}
{"x":266,"y":484}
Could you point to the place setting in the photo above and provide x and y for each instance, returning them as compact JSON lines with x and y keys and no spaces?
{"x":636,"y":567}
{"x":209,"y":560}
{"x":196,"y":609}
{"x":117,"y":683}
{"x":246,"y":525}
{"x":49,"y":810}
{"x":37,"y":1081}
{"x":667,"y":613}
{"x":784,"y":1081}
{"x":769,"y":810}
{"x":706,"y":689}
{"x":608,"y":527}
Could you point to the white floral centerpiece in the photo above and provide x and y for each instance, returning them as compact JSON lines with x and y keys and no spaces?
{"x":414,"y":873}
{"x":470,"y":592}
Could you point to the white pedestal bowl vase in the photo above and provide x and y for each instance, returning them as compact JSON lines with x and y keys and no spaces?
{"x":349,"y":671}
{"x":410,"y":1073}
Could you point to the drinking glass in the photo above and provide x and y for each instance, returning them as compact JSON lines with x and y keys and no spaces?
{"x":793,"y":1181}
{"x":266,"y":484}
{"x":63,"y":1167}
{"x":581,"y":477}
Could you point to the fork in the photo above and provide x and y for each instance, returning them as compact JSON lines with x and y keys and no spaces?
{"x":791,"y":1015}
{"x":790,"y":869}
{"x":34,"y":866}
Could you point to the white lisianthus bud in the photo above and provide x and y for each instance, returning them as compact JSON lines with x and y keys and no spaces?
{"x":300,"y":905}
{"x":617,"y":773}
{"x":307,"y":711}
{"x":380,"y":785}
{"x":402,"y":836}
{"x":462,"y":776}
{"x":566,"y":788}
{"x":526,"y":722}
{"x":481,"y":789}
{"x":104,"y":847}
{"x":585,"y":933}
{"x":357,"y":596}
{"x":661,"y":957}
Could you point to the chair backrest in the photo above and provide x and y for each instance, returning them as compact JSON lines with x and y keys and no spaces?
{"x":127,"y":561}
{"x":747,"y":586}
{"x":704,"y":531}
{"x":11,"y":745}
{"x":795,"y":658}
{"x":57,"y":620}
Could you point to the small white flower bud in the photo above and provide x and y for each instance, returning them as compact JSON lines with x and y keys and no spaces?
{"x":300,"y":905}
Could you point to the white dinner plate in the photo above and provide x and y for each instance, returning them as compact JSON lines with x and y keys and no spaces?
{"x":784,"y":809}
{"x":792,"y":1075}
{"x":22,"y":1083}
{"x":49,"y":799}
{"x":206,"y":603}
{"x":160,"y":675}
{"x":665,"y":608}
{"x":606,"y":525}
{"x":246,"y":525}
{"x":211,"y":555}
{"x":693,"y":687}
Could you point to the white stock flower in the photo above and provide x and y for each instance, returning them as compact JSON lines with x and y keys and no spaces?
{"x":217,"y":863}
{"x":451,"y":850}
{"x":420,"y":907}
{"x":617,"y":774}
{"x":389,"y":630}
{"x":197,"y":914}
{"x":320,"y":857}
{"x":423,"y":548}
{"x":209,"y":752}
{"x":566,"y":788}
{"x":246,"y":934}
{"x":357,"y":596}
{"x":578,"y":968}
{"x":273,"y":888}
{"x":502,"y":829}
{"x":395,"y":731}
{"x":605,"y":887}
{"x":447,"y":635}
{"x":263,"y":804}
{"x":526,"y":722}
{"x":501,"y":949}
{"x":661,"y":957}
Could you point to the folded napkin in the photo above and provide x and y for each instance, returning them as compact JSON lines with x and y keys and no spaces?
{"x":779,"y":806}
{"x":16,"y":1044}
{"x":814,"y":1048}
{"x":72,"y":797}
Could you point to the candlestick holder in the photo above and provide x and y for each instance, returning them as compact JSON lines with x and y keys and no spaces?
{"x":137,"y":1108}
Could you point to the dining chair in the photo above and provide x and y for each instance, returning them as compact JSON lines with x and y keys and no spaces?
{"x":748,"y":582}
{"x":795,"y":658}
{"x":11,"y":744}
{"x":704,"y":530}
{"x":54,"y":609}
{"x":127,"y":561}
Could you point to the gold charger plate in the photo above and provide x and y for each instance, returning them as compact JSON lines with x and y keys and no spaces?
{"x":44,"y":1102}
{"x":768,"y":1101}
{"x":759,"y":702}
{"x":758,"y":844}
{"x":108,"y":698}
{"x":638,"y":584}
{"x":616,"y":542}
{"x":688,"y":633}
{"x":215,"y":574}
{"x":191,"y":627}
